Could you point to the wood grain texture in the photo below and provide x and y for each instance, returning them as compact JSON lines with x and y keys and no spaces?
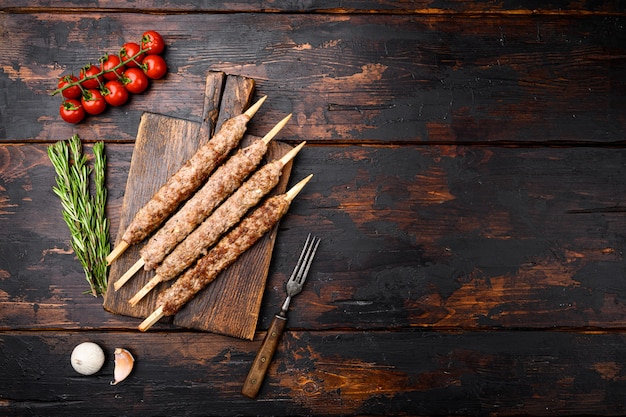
{"x":322,"y":373}
{"x":382,"y":79}
{"x":237,"y":97}
{"x":335,"y":6}
{"x":468,"y":161}
{"x":436,"y":237}
{"x":213,"y":90}
{"x":469,"y":237}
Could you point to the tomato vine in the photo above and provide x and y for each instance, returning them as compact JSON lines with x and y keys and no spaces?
{"x":112,"y":68}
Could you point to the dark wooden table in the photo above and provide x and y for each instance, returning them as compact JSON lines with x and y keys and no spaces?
{"x":469,"y":188}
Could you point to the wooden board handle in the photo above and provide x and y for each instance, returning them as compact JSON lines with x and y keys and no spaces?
{"x":261,"y":363}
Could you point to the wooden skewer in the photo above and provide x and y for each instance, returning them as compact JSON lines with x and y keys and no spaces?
{"x":145,"y":289}
{"x":121,"y":247}
{"x":274,"y":131}
{"x":155,"y":280}
{"x":152,"y":319}
{"x":295,"y":190}
{"x":255,"y":107}
{"x":291,"y":153}
{"x":128,"y":274}
{"x":141,"y":262}
{"x":158,"y":313}
{"x":117,"y":251}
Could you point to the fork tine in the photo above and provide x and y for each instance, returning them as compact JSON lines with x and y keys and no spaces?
{"x":309,"y":260}
{"x":296,"y":269}
{"x":304,"y":262}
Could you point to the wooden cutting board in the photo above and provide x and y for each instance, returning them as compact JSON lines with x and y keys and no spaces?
{"x":229,"y":305}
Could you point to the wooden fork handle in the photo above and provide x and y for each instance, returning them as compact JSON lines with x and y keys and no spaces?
{"x":261,"y":363}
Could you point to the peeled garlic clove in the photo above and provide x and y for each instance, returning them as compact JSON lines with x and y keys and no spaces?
{"x":124,"y":362}
{"x":87,"y":358}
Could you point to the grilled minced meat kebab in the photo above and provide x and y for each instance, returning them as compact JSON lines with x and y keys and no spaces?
{"x":219,"y":222}
{"x":185,"y":181}
{"x":223,"y":254}
{"x":223,"y":182}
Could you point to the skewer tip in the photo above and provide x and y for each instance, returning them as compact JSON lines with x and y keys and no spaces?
{"x":151,"y":319}
{"x":292,"y":153}
{"x":255,"y":107}
{"x":293,"y":192}
{"x":116,"y":252}
{"x":270,"y":135}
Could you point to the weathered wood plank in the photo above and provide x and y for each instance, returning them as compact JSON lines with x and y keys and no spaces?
{"x":334,"y":6}
{"x":461,"y":237}
{"x":453,"y":279}
{"x":433,"y":236}
{"x":363,"y":78}
{"x":315,"y":373}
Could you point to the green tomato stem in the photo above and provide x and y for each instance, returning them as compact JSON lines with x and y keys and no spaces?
{"x":101,"y":73}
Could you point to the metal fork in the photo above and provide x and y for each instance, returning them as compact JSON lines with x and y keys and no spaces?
{"x":293,"y":287}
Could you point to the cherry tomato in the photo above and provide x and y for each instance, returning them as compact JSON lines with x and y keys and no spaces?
{"x":154,"y":66}
{"x":108,"y":63}
{"x":154,"y":41}
{"x":135,"y":80}
{"x":70,"y":92}
{"x":89,"y":71}
{"x":93,"y":102}
{"x":72,"y":111}
{"x":114,"y":93}
{"x":130,"y":49}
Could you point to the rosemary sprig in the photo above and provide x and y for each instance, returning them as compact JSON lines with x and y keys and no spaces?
{"x":84,"y":215}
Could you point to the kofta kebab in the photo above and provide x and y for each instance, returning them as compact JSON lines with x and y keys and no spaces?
{"x":185,"y":181}
{"x":220,"y":221}
{"x":206,"y":214}
{"x":223,"y":254}
{"x":226,"y":179}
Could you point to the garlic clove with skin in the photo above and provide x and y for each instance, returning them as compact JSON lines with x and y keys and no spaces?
{"x":124,"y":363}
{"x":87,"y":358}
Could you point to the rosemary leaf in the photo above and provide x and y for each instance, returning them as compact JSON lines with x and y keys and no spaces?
{"x":84,"y":214}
